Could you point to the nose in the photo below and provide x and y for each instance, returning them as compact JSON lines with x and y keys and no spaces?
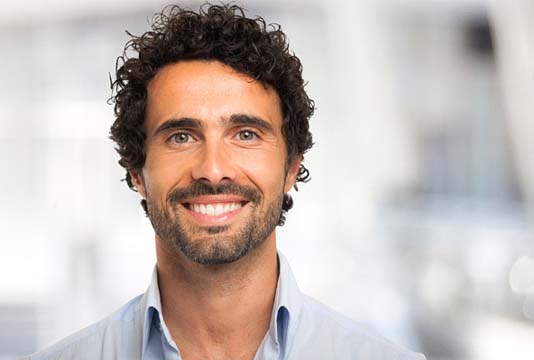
{"x":214,"y":165}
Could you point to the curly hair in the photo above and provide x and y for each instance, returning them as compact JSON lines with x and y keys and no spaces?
{"x":216,"y":32}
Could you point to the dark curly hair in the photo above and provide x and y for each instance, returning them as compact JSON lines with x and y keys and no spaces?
{"x":217,"y":32}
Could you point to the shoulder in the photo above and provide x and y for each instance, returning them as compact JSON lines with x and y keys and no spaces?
{"x":332,"y":332}
{"x":101,"y":340}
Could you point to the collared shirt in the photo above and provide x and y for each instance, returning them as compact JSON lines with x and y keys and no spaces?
{"x":300,"y":328}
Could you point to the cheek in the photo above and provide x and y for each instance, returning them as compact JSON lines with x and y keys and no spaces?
{"x":266,"y":170}
{"x":162,"y":172}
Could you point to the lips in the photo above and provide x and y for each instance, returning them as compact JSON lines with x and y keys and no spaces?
{"x":209,"y":204}
{"x":215,"y":209}
{"x":212,"y":210}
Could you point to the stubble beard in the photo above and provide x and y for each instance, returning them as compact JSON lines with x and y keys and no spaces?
{"x":214,"y":245}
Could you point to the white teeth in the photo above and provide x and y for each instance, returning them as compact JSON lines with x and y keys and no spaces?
{"x":214,"y":209}
{"x":210,"y":209}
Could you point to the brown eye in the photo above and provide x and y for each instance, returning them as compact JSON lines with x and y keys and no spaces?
{"x":247,"y":135}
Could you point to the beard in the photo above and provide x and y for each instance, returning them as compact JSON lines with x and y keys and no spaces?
{"x":212,"y":245}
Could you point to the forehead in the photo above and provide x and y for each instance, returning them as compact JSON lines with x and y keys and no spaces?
{"x":208,"y":91}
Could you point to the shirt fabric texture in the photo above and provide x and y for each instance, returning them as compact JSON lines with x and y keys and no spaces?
{"x":300,"y":328}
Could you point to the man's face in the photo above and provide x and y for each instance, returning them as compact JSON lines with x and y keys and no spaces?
{"x":215,"y":170}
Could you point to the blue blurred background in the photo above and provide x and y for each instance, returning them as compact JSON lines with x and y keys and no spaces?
{"x":419,"y":217}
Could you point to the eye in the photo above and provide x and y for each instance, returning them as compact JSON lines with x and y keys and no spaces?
{"x":247,"y":135}
{"x":181,"y":138}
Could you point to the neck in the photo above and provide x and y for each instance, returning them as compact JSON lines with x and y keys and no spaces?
{"x":208,"y":308}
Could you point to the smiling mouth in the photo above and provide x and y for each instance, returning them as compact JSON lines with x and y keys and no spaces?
{"x":216,"y":208}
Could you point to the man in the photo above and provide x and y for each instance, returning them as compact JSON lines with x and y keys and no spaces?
{"x":211,"y":127}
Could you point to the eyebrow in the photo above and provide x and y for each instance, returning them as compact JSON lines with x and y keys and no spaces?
{"x":243,"y":119}
{"x":181,"y":123}
{"x":235,"y":119}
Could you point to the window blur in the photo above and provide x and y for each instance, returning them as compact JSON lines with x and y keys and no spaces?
{"x":419,"y":217}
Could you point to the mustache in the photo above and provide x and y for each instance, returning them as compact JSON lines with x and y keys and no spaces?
{"x":199,"y":188}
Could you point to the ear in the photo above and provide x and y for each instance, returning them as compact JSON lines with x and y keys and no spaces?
{"x":139,"y":182}
{"x":292,"y":172}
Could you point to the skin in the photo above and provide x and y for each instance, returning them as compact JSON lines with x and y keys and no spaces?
{"x":200,"y":301}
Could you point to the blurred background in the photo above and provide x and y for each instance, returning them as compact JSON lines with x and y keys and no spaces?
{"x":419,"y":218}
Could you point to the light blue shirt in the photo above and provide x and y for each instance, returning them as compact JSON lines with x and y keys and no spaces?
{"x":300,"y":328}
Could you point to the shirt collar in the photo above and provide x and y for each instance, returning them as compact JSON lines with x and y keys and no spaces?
{"x":287,"y":306}
{"x":151,"y":304}
{"x":285,"y":315}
